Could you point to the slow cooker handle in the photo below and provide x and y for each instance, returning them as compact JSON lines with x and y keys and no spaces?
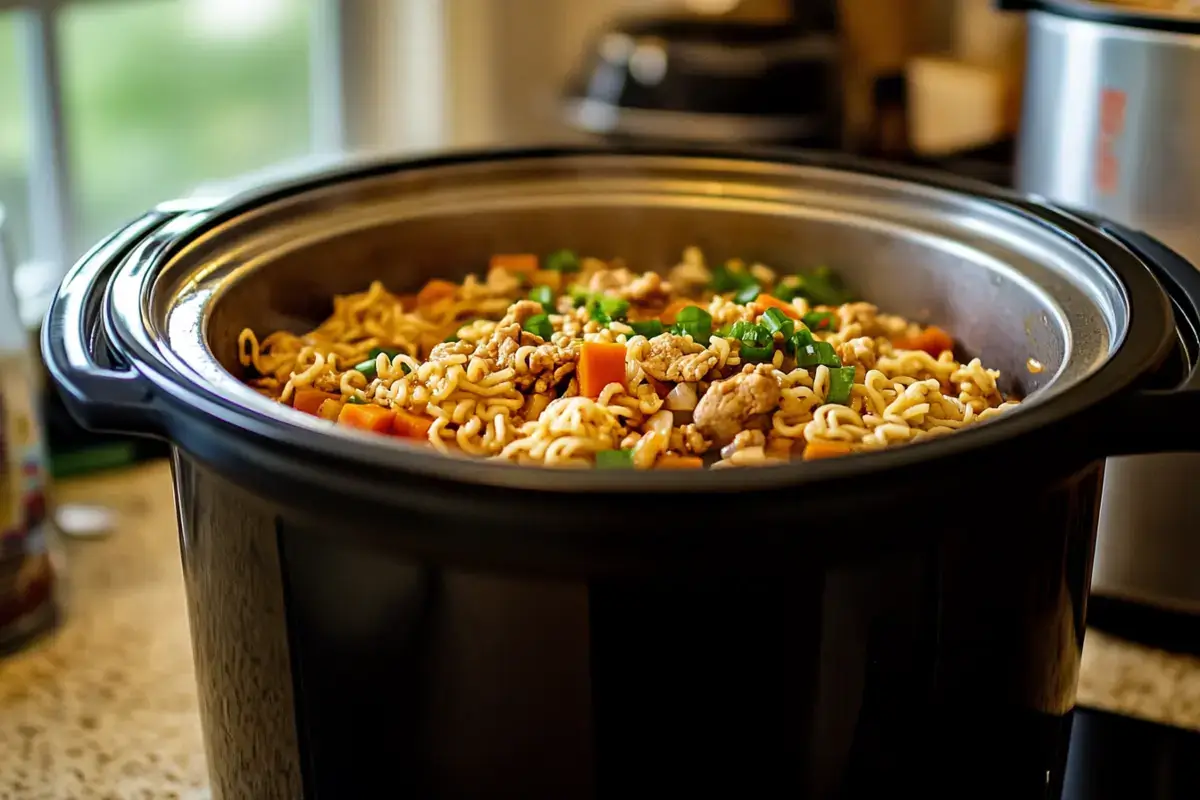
{"x":1181,"y":281}
{"x":100,"y":391}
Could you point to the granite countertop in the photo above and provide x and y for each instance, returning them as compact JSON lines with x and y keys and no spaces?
{"x":106,"y":707}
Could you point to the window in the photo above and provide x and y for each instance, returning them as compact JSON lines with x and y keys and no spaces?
{"x":109,"y":106}
{"x":14,"y":151}
{"x":159,"y":96}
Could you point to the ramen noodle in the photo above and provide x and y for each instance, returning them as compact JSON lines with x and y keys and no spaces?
{"x":578,"y":362}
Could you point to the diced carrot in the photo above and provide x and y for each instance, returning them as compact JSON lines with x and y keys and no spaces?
{"x":600,"y":363}
{"x":671,"y":311}
{"x":408,"y":301}
{"x":932,"y":340}
{"x":767,"y":301}
{"x":672,"y":461}
{"x":330,"y":409}
{"x":411,"y":426}
{"x":526,"y":263}
{"x":437,"y":289}
{"x":367,"y":417}
{"x":823,"y":449}
{"x":309,"y":400}
{"x":548,"y":277}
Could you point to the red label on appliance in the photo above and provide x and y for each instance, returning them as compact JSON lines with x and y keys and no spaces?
{"x":1107,"y":168}
{"x":1112,"y":112}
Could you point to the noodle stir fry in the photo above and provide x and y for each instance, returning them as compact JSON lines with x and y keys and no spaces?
{"x":573,"y":362}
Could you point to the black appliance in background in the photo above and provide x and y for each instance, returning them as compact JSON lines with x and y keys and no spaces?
{"x":709,"y":79}
{"x":71,"y":450}
{"x":721,"y":80}
{"x":74,"y":451}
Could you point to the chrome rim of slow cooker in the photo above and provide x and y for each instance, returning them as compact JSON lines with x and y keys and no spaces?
{"x":181,"y":369}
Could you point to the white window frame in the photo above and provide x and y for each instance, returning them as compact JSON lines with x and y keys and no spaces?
{"x":376,"y":78}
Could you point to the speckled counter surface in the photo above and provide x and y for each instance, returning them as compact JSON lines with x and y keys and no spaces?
{"x":106,"y":707}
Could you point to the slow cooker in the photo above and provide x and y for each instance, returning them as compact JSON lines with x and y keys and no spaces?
{"x":372,"y":619}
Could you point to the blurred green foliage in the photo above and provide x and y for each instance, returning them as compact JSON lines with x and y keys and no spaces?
{"x":154,"y":105}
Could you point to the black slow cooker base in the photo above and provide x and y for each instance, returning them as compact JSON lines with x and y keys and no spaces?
{"x":328,"y":669}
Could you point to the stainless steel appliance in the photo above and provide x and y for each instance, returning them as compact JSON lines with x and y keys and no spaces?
{"x":1110,"y":124}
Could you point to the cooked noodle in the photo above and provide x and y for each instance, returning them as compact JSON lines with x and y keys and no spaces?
{"x":476,"y":368}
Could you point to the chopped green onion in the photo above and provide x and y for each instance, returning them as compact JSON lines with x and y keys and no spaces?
{"x":647,"y":327}
{"x":579,"y":296}
{"x":819,"y":320}
{"x":543,"y":295}
{"x":693,"y":313}
{"x":759,"y":335}
{"x":725,"y":279}
{"x":355,"y":400}
{"x":738,"y":329}
{"x":563,"y":261}
{"x":757,"y":354}
{"x":539,"y":325}
{"x":826,"y":355}
{"x":799,"y":340}
{"x":748,"y":294}
{"x":722,"y":280}
{"x":788,"y":288}
{"x":777,"y":321}
{"x":367,"y":368}
{"x":823,"y":288}
{"x":757,"y":343}
{"x":614,"y":459}
{"x":817,"y":354}
{"x":695,"y":322}
{"x":451,"y":338}
{"x":841,"y":379}
{"x":595,"y":312}
{"x":608,"y":308}
{"x":802,"y":337}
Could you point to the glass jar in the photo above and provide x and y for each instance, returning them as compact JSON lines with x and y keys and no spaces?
{"x":29,"y":585}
